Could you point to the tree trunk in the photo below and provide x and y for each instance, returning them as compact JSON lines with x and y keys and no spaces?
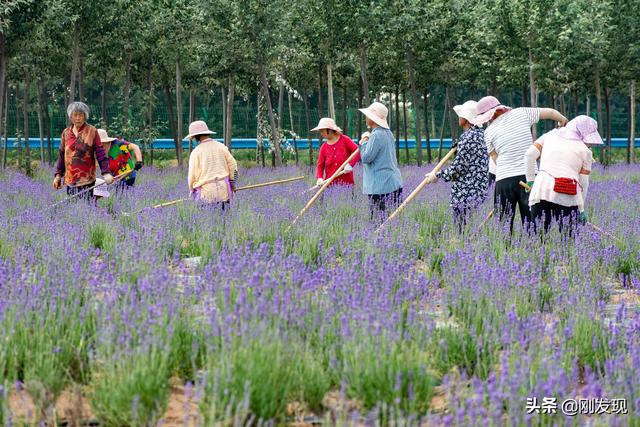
{"x":397,"y":122}
{"x":223,"y":94}
{"x":332,"y":106}
{"x":259,"y":136}
{"x":25,"y":115}
{"x":40,"y":89}
{"x":575,"y":103}
{"x":599,"y":112}
{"x":588,"y":105}
{"x":533,"y":90}
{"x":426,"y":125}
{"x":281,"y":102}
{"x":320,"y":103}
{"x":345,"y":104}
{"x":444,"y":117}
{"x":563,"y":105}
{"x":452,"y":125}
{"x":150,"y":105}
{"x":5,"y":94}
{"x":103,"y":102}
{"x":632,"y":122}
{"x":359,"y":116}
{"x":192,"y":114}
{"x":404,"y":125}
{"x":307,"y":115}
{"x":48,"y":124}
{"x":4,"y":101}
{"x":75,"y":52}
{"x":363,"y":74}
{"x":172,"y":123}
{"x":228,"y":131}
{"x":18,"y":129}
{"x":293,"y":132}
{"x":179,"y":108}
{"x":274,"y":140}
{"x":607,"y":102}
{"x":416,"y":109}
{"x":80,"y":79}
{"x":127,"y":87}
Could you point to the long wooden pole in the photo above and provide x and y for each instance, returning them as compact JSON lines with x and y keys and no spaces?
{"x":336,"y":174}
{"x":264,"y":184}
{"x":415,"y":192}
{"x":73,"y":196}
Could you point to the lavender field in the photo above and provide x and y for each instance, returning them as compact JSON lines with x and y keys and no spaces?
{"x":329,"y":323}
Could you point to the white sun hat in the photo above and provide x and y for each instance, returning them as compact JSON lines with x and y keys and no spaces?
{"x":377,"y":112}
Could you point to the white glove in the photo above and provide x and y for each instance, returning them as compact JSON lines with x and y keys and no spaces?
{"x":108,"y":178}
{"x":319,"y":181}
{"x":431,"y":178}
{"x":348,"y":168}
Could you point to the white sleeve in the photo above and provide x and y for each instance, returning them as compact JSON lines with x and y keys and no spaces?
{"x":584,"y":184}
{"x":530,"y":158}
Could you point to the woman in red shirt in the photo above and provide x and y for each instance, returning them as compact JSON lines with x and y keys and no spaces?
{"x":334,"y":153}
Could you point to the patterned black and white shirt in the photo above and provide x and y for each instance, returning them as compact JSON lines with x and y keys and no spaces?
{"x":469,"y":171}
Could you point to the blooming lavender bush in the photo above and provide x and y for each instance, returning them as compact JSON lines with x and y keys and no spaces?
{"x":384,"y":322}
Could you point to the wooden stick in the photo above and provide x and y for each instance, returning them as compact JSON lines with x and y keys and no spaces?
{"x":117,"y":178}
{"x":160,"y":205}
{"x":590,"y":224}
{"x":489,"y":216}
{"x":264,"y":184}
{"x":336,"y":174}
{"x":415,"y":192}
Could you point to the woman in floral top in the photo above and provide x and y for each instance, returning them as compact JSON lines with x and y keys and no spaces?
{"x":469,"y":171}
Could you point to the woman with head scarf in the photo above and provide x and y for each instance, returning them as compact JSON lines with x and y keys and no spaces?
{"x":559,"y":191}
{"x":80,"y":149}
{"x":334,"y":153}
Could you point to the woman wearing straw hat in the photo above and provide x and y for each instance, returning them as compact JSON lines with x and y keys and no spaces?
{"x":508,"y":137}
{"x":559,"y":191}
{"x":80,"y":148}
{"x":213,"y":171}
{"x":120,"y":159}
{"x":334,"y":153}
{"x":381,"y":181}
{"x":469,"y":172}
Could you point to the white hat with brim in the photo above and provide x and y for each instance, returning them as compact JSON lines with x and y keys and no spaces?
{"x":467,"y":110}
{"x":198,"y":128}
{"x":326,"y":123}
{"x":104,"y":136}
{"x":377,"y":112}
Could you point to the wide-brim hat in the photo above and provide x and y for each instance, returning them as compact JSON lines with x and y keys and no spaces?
{"x":326,"y":123}
{"x":104,"y":136}
{"x":486,"y":108}
{"x":198,"y":128}
{"x":378,"y":113}
{"x":467,"y":110}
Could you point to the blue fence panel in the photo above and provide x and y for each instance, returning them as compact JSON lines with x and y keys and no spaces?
{"x":250,"y":143}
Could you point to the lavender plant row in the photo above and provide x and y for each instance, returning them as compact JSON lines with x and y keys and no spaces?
{"x":390,"y":323}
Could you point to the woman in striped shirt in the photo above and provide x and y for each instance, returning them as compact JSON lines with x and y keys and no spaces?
{"x":508,"y":137}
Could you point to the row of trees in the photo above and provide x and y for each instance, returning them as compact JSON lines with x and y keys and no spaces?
{"x":162,"y":51}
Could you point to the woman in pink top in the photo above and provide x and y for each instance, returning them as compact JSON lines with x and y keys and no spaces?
{"x":559,"y":190}
{"x":334,"y":153}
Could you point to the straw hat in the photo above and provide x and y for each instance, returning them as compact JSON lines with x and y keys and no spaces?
{"x":467,"y":110}
{"x":104,"y":136}
{"x":486,"y":109}
{"x":198,"y":128}
{"x":377,"y":112}
{"x":327,"y":123}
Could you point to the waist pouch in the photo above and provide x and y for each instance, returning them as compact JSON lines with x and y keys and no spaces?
{"x":566,"y":186}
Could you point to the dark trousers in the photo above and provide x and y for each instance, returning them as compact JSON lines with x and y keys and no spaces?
{"x":544,"y":213}
{"x":378,"y":203}
{"x":125,"y":184}
{"x":508,"y":194}
{"x":87,"y":196}
{"x":460,"y":214}
{"x":492,"y":178}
